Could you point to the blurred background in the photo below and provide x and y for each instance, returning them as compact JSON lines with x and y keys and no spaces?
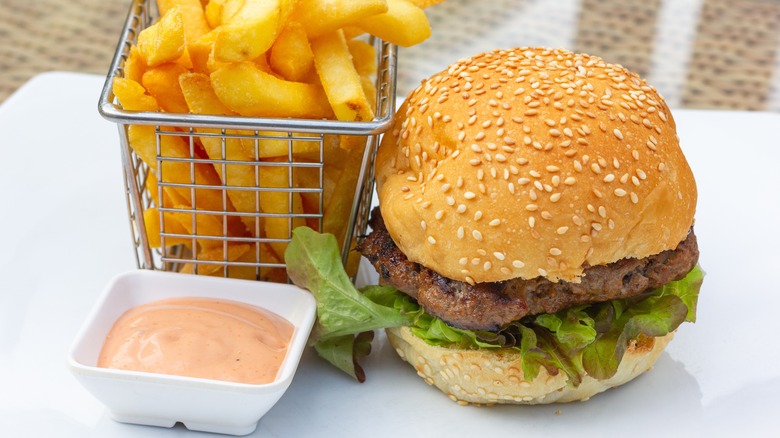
{"x":709,"y":54}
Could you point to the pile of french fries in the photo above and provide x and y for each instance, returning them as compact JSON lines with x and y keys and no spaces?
{"x":262,"y":58}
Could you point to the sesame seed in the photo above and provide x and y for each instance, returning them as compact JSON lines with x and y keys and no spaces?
{"x":542,"y":272}
{"x":562,"y":230}
{"x":478,"y":215}
{"x":450,"y":201}
{"x":531,"y":221}
{"x":423,"y":225}
{"x":618,"y":134}
{"x":555,"y":197}
{"x":461,"y":208}
{"x":477,"y":235}
{"x":602,"y":211}
{"x":555,"y":251}
{"x":495,"y":222}
{"x":518,"y":264}
{"x":531,"y":207}
{"x":425,"y":204}
{"x":570,"y":181}
{"x":523,"y":181}
{"x":620,"y":193}
{"x":445,"y":187}
{"x":463,"y":262}
{"x":469,"y":195}
{"x":431,"y":240}
{"x":456,"y":153}
{"x":634,"y":198}
{"x":609,"y":178}
{"x":487,"y":266}
{"x":552,"y":169}
{"x":475,"y":161}
{"x":577,"y":220}
{"x":439,"y":214}
{"x":460,"y":232}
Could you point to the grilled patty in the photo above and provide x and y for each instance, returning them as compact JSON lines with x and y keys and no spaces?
{"x":488,"y":306}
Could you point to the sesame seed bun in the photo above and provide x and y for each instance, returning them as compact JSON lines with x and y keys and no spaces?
{"x":533,"y":162}
{"x":492,"y":377}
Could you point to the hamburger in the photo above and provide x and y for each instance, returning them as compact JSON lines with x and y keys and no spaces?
{"x":535,"y":228}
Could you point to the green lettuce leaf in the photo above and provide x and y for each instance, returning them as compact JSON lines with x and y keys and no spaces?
{"x":584,"y":340}
{"x":343,"y":313}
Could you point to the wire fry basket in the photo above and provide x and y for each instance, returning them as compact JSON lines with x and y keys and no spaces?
{"x":183,"y":210}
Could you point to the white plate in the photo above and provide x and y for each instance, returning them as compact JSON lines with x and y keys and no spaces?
{"x":65,"y":234}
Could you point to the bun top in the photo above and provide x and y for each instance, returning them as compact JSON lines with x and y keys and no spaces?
{"x":533,"y":162}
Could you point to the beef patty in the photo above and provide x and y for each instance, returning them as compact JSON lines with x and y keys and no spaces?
{"x":488,"y":306}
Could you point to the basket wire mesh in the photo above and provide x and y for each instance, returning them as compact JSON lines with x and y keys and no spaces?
{"x":210,"y":231}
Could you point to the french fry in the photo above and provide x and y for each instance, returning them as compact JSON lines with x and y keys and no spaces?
{"x":201,"y":99}
{"x":403,"y":24}
{"x":291,"y":53}
{"x":229,"y":9}
{"x":273,"y":148}
{"x":134,"y":66}
{"x":279,"y":202}
{"x":200,"y":52}
{"x":161,"y":82}
{"x":252,"y":30}
{"x":351,"y":31}
{"x":340,"y":79}
{"x":154,"y":229}
{"x":216,"y":254}
{"x":259,"y":254}
{"x":213,"y":12}
{"x":309,"y":178}
{"x":363,"y":56}
{"x":339,"y":205}
{"x":246,"y":89}
{"x":163,"y":41}
{"x":320,"y":17}
{"x":192,"y":15}
{"x":132,"y":95}
{"x":369,"y":88}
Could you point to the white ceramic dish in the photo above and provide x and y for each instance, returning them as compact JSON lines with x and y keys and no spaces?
{"x":199,"y":404}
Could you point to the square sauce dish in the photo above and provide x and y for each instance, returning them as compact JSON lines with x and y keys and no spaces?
{"x":211,"y":404}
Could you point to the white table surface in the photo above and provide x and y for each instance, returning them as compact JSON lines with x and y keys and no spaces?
{"x":66,"y":233}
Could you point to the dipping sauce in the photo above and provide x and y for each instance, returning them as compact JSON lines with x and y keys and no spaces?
{"x":199,"y":337}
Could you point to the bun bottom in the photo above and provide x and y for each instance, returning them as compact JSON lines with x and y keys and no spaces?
{"x":496,"y":377}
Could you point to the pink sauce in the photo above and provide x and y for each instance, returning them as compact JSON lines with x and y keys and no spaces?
{"x":199,"y":337}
